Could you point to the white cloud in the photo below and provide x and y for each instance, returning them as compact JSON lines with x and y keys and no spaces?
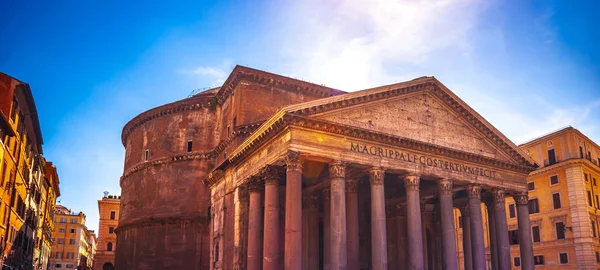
{"x":353,"y":44}
{"x":218,"y":74}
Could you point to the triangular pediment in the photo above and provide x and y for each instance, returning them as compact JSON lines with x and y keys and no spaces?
{"x":420,"y":117}
{"x":423,"y":110}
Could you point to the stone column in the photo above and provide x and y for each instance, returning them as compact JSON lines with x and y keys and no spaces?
{"x":310,"y":231}
{"x":447,"y":220}
{"x":477,"y":242}
{"x":352,"y":224}
{"x":337,"y":229}
{"x":378,"y":227}
{"x":413,"y":223}
{"x":467,"y":250}
{"x":525,"y":241}
{"x":402,"y":236}
{"x":502,"y":244}
{"x":493,"y":244}
{"x":293,"y":212}
{"x":271,"y":246}
{"x":255,"y":226}
{"x":326,"y":222}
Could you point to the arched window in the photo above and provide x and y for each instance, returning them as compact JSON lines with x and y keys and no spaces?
{"x":109,"y":246}
{"x":108,"y":266}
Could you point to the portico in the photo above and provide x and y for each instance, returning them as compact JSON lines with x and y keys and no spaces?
{"x":369,"y":180}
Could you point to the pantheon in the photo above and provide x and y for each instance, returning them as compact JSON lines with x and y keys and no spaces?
{"x":270,"y":172}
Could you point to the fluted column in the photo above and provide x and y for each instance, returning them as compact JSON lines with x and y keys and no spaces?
{"x":525,"y":241}
{"x":352,"y":224}
{"x":447,"y":220}
{"x":502,"y":244}
{"x":293,"y":212}
{"x":378,"y":227}
{"x":271,"y":246}
{"x":310,"y":232}
{"x":413,"y":223}
{"x":255,"y":226}
{"x":477,"y":242}
{"x":337,"y":182}
{"x":326,"y":222}
{"x":467,"y":250}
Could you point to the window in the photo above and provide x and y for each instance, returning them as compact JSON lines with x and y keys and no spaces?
{"x":61,"y":240}
{"x":74,"y":221}
{"x":554,"y":180}
{"x":598,"y":257}
{"x":69,"y":266}
{"x":551,"y":157}
{"x":594,"y":181}
{"x":586,"y":177}
{"x":189,"y":147}
{"x":517,"y":261}
{"x":62,"y":230}
{"x":534,"y":206}
{"x":556,"y":200}
{"x":113,"y":215}
{"x":535,"y":231}
{"x":538,"y":260}
{"x":597,"y":201}
{"x":111,"y":230}
{"x":513,"y":237}
{"x":71,"y":241}
{"x":72,"y":230}
{"x":589,"y":197}
{"x":146,"y":153}
{"x":63,"y":220}
{"x":511,"y":210}
{"x":580,"y":152}
{"x":228,"y":131}
{"x":531,"y":186}
{"x":57,"y":255}
{"x":58,"y":265}
{"x":560,"y":230}
{"x":594,"y":233}
{"x":109,"y":246}
{"x":13,"y":110}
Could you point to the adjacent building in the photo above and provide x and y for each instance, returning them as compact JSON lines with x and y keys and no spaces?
{"x":23,"y":181}
{"x":301,"y":176}
{"x":108,"y":208}
{"x":74,"y":244}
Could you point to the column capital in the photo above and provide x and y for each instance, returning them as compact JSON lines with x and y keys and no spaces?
{"x":498,"y":195}
{"x":474,"y":191}
{"x":337,"y":169}
{"x":270,"y":174}
{"x":255,"y":184}
{"x":243,"y":192}
{"x":445,"y":187}
{"x":310,"y":202}
{"x":376,"y":175}
{"x":412,"y":181}
{"x":351,"y":185}
{"x":521,"y":198}
{"x":293,"y":162}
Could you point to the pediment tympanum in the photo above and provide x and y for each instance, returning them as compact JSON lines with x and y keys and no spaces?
{"x":418,"y":116}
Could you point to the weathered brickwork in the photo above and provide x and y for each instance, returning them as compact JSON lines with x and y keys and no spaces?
{"x":165,"y":206}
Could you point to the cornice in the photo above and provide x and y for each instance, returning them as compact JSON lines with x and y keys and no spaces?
{"x":566,"y":163}
{"x":166,"y":160}
{"x":264,"y":78}
{"x":350,"y":131}
{"x":151,"y":222}
{"x":161,"y":111}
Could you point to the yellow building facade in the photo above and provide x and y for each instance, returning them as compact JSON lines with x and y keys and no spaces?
{"x":108,"y":208}
{"x":74,"y":244}
{"x":564,"y":205}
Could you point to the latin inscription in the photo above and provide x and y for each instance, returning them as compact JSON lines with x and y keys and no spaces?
{"x":420,"y":159}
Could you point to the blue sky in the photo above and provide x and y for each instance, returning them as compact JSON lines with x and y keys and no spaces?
{"x":528,"y":67}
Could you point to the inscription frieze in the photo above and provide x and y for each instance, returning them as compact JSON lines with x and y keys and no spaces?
{"x":423,"y":160}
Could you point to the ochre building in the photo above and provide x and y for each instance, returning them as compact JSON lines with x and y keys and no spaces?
{"x":74,"y":245}
{"x":108,"y":208}
{"x":269,"y":172}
